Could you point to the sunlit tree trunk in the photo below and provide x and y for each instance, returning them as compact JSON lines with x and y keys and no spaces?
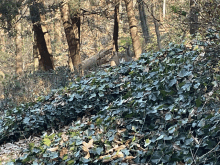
{"x":164,"y":8}
{"x":133,"y":29}
{"x":45,"y":28}
{"x":2,"y":40}
{"x":71,"y":26}
{"x":57,"y":29}
{"x":18,"y":43}
{"x":35,"y":53}
{"x":143,"y":19}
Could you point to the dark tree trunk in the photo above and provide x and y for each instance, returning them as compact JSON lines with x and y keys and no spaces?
{"x":116,"y":26}
{"x":45,"y":62}
{"x":157,"y":26}
{"x":143,"y":19}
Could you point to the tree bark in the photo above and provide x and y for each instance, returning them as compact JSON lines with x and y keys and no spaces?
{"x":18,"y":52}
{"x":97,"y":60}
{"x":157,"y":25}
{"x":133,"y":29}
{"x":115,"y":61}
{"x":164,"y":8}
{"x":143,"y":19}
{"x":2,"y":40}
{"x":35,"y":53}
{"x":46,"y":61}
{"x":116,"y":26}
{"x":193,"y":17}
{"x":58,"y":34}
{"x":44,"y":27}
{"x":72,"y":30}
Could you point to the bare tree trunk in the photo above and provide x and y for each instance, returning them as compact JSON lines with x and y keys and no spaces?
{"x":18,"y":43}
{"x":164,"y":8}
{"x":133,"y":29}
{"x":2,"y":40}
{"x":44,"y":27}
{"x":35,"y":52}
{"x":72,"y":31}
{"x":193,"y":17}
{"x":143,"y":19}
{"x":58,"y":34}
{"x":115,"y":61}
{"x":157,"y":25}
{"x":45,"y":62}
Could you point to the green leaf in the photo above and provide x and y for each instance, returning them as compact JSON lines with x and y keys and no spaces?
{"x":47,"y":141}
{"x":156,"y":157}
{"x":99,"y":150}
{"x":168,"y":116}
{"x":198,"y":102}
{"x":147,"y":142}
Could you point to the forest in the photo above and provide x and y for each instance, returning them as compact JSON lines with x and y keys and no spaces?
{"x":109,"y":82}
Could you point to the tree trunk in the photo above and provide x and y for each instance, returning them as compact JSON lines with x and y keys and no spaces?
{"x":115,"y":61}
{"x":143,"y":19}
{"x":58,"y":34}
{"x":133,"y":29}
{"x":18,"y":52}
{"x":164,"y":8}
{"x":72,"y":31}
{"x":193,"y":18}
{"x":35,"y":53}
{"x":44,"y":27}
{"x":2,"y":40}
{"x":45,"y":62}
{"x":157,"y":25}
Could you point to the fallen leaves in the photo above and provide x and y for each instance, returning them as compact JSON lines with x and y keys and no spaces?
{"x":86,"y":147}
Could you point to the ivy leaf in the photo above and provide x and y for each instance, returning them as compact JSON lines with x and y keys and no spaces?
{"x":168,"y":116}
{"x":147,"y":142}
{"x":47,"y":141}
{"x":160,"y":137}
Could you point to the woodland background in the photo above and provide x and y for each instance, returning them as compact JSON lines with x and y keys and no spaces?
{"x":33,"y":37}
{"x":109,"y":81}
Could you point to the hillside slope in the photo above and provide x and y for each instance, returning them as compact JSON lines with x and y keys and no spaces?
{"x":159,"y":109}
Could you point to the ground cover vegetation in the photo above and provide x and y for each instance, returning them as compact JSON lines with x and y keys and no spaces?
{"x":160,"y":109}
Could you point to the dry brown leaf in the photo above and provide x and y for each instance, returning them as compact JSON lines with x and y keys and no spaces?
{"x":118,"y":142}
{"x":121,"y":130}
{"x":53,"y":149}
{"x":112,"y":149}
{"x":64,"y":137}
{"x":61,"y":142}
{"x":87,"y":156}
{"x":118,"y":155}
{"x":63,"y":152}
{"x":129,"y":157}
{"x":128,"y":142}
{"x":121,"y":147}
{"x":86,"y":147}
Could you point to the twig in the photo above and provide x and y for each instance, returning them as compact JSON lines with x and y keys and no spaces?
{"x":209,"y":151}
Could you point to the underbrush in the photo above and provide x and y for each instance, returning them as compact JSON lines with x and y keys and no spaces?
{"x":31,"y":86}
{"x":161,"y":109}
